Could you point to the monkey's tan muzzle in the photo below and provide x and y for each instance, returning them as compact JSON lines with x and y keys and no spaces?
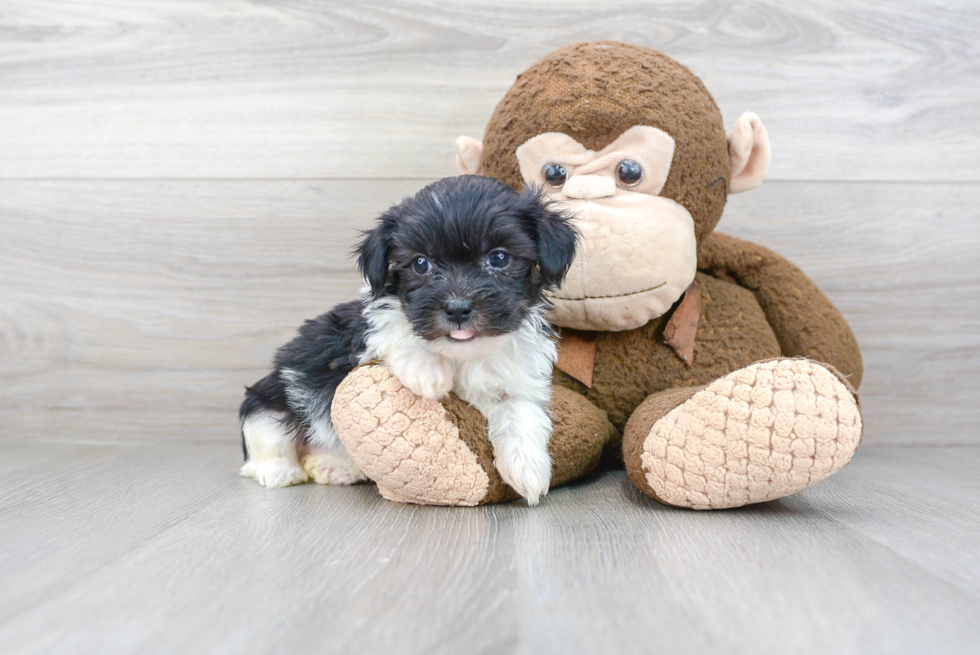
{"x":589,"y":187}
{"x":618,"y":283}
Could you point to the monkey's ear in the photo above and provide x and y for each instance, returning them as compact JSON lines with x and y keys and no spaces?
{"x":554,"y":235}
{"x":469,"y":155}
{"x":748,"y":148}
{"x":372,"y":254}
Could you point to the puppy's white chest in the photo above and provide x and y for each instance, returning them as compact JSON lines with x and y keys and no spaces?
{"x":478,"y":383}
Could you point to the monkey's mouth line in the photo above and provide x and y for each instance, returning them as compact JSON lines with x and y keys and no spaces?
{"x":617,"y":295}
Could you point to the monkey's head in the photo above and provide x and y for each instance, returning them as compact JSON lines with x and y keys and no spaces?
{"x":634,"y":145}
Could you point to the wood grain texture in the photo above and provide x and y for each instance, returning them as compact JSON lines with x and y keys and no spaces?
{"x":162,"y":548}
{"x":303,"y":88}
{"x":139,"y":310}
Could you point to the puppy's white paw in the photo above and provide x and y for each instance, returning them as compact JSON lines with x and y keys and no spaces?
{"x":525,"y":467}
{"x":332,"y":469}
{"x":276,"y":472}
{"x":248,"y":469}
{"x":424,"y":374}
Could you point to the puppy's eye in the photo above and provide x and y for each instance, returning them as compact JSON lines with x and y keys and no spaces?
{"x":421,"y":265}
{"x":499,"y":259}
{"x":629,"y":172}
{"x":555,"y":174}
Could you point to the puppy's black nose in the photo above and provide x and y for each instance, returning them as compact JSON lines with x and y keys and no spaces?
{"x":458,"y":309}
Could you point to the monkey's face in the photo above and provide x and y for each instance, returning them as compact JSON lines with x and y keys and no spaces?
{"x":638,"y":251}
{"x":640,"y":206}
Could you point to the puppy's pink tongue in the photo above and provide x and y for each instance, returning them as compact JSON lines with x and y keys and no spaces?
{"x":462,"y":335}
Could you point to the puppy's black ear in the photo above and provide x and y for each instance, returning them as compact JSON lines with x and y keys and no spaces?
{"x":372,"y":254}
{"x":554,"y":235}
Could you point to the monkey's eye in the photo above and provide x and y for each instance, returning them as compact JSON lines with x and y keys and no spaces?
{"x":555,"y":174}
{"x":421,"y":265}
{"x":629,"y":172}
{"x":499,"y":259}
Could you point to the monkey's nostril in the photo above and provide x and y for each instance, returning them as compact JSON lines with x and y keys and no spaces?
{"x":458,"y":310}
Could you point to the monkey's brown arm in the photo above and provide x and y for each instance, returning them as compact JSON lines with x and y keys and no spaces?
{"x":805,"y":321}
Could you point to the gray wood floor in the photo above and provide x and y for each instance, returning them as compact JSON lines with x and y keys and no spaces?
{"x":180,"y":185}
{"x":160,"y":547}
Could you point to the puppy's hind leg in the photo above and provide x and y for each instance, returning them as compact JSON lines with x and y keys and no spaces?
{"x":324,"y":457}
{"x":271,"y":447}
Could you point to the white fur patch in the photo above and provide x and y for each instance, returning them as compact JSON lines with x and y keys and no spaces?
{"x":424,"y":373}
{"x":519,"y":430}
{"x":279,"y":472}
{"x":392,"y":340}
{"x":390,"y":330}
{"x":272,"y":458}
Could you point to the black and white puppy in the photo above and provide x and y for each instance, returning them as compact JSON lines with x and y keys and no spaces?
{"x":455,"y":303}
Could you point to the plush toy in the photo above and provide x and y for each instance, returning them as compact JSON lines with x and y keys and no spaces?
{"x":713,"y":368}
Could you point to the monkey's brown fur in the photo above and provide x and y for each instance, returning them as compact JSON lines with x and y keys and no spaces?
{"x":596,"y":91}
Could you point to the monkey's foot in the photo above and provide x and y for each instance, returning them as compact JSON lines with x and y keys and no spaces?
{"x":760,"y":433}
{"x":408,"y":445}
{"x":438,"y":453}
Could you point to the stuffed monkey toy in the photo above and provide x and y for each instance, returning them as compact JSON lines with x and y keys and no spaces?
{"x":711,"y":367}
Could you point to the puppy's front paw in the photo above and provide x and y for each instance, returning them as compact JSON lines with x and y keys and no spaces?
{"x":525,"y":467}
{"x":424,"y":374}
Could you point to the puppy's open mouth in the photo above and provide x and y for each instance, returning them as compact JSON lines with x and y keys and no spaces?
{"x":462,"y":335}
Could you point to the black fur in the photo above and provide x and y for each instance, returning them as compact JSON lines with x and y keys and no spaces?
{"x":456,"y":224}
{"x":326,"y":349}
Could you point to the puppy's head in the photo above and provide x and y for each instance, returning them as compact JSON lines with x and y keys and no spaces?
{"x":468,"y":257}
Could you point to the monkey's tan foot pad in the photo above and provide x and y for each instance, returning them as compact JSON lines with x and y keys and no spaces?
{"x":408,"y":445}
{"x":760,"y":433}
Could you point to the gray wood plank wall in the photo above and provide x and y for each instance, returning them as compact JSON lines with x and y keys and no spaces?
{"x":181,"y":182}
